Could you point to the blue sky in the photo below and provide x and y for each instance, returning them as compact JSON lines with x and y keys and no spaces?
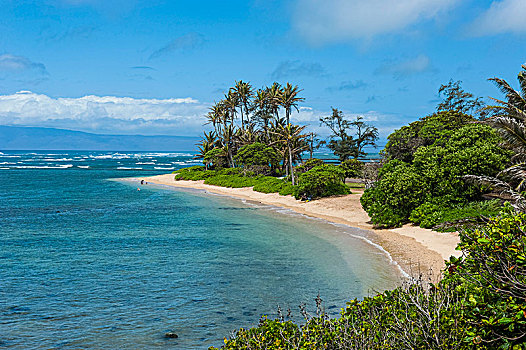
{"x":154,"y":67}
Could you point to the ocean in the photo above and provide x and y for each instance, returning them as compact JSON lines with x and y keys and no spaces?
{"x":87,"y":261}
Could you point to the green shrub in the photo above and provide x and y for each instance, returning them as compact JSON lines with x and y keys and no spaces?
{"x":257,"y":154}
{"x":234,"y":181}
{"x":429,"y":215}
{"x":493,"y":274}
{"x":435,"y":176}
{"x":308,"y":165}
{"x":321,"y":181}
{"x":352,"y":168}
{"x":438,"y":127}
{"x":270,"y":184}
{"x":217,"y":157}
{"x":194,"y":173}
{"x":390,"y":202}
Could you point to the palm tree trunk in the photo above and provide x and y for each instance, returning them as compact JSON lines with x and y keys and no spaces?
{"x":291,"y":168}
{"x":242,"y":119}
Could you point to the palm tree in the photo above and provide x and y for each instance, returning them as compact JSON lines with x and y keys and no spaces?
{"x":231,"y":102}
{"x":207,"y":143}
{"x":274,"y":98}
{"x":243,"y":92}
{"x":289,"y":98}
{"x":261,"y":110}
{"x":509,"y":119}
{"x":291,"y":144}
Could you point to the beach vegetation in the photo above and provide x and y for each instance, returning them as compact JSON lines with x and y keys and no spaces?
{"x":321,"y":181}
{"x":437,"y":127}
{"x":434,"y":173}
{"x":258,"y":158}
{"x":308,"y":165}
{"x":439,"y":216}
{"x":353,"y":168}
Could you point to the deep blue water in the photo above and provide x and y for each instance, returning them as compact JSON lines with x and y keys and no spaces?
{"x":87,"y":261}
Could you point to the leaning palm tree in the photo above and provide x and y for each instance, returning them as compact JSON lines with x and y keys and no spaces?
{"x":289,"y":99}
{"x":208,"y":142}
{"x":508,"y":117}
{"x":291,"y":143}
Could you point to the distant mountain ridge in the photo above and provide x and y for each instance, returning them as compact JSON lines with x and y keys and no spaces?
{"x":38,"y":138}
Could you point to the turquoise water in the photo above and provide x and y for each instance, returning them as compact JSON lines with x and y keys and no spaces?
{"x":87,"y":261}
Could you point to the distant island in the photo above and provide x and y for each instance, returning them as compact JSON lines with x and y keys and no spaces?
{"x":39,"y":138}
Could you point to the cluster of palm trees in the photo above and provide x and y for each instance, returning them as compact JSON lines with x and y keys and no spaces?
{"x":508,"y":117}
{"x":246,"y":115}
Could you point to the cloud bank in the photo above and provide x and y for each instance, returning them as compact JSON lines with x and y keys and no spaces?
{"x":104,"y":114}
{"x":327,"y":21}
{"x":506,"y":16}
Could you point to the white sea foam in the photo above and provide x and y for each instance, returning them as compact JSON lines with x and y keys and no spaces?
{"x":4,"y":168}
{"x":62,"y":166}
{"x":83,"y":166}
{"x":57,"y":159}
{"x":127,"y":168}
{"x":160,"y":168}
{"x":145,"y":163}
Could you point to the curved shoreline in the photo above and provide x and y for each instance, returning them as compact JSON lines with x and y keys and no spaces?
{"x":415,"y":249}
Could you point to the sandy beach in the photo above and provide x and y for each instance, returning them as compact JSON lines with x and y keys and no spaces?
{"x":415,"y":249}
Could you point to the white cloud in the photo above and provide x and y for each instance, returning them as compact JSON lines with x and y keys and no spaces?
{"x":506,"y":16}
{"x":325,"y":21}
{"x":402,"y":69}
{"x":12,"y":63}
{"x":104,"y":114}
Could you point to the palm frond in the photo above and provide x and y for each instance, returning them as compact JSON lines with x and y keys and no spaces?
{"x":502,"y":189}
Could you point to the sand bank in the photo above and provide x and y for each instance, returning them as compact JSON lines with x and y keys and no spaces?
{"x":414,"y":248}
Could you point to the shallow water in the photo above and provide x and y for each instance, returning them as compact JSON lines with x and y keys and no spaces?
{"x":90,"y":262}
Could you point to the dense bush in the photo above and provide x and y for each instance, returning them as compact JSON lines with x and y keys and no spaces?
{"x":216,"y":157}
{"x":308,"y":165}
{"x":194,"y":173}
{"x":234,"y":181}
{"x":434,"y":175}
{"x":270,"y":184}
{"x":392,"y":199}
{"x":480,"y":304}
{"x":403,"y":143}
{"x":429,"y":215}
{"x":236,"y":178}
{"x":353,"y":168}
{"x":321,"y":181}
